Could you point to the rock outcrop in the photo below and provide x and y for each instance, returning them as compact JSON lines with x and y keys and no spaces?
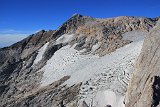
{"x":108,"y":32}
{"x":144,"y":88}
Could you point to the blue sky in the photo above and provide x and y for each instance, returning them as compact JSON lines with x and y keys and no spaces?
{"x":23,"y":17}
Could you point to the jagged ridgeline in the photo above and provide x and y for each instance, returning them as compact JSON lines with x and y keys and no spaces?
{"x":85,"y":62}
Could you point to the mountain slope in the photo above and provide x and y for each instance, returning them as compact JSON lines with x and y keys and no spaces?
{"x":83,"y":59}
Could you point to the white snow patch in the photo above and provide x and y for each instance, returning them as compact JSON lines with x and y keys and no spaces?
{"x":105,"y":98}
{"x":121,"y":102}
{"x":134,"y":35}
{"x":83,"y":50}
{"x":108,"y":97}
{"x":95,"y":47}
{"x":64,"y":38}
{"x":40,"y":53}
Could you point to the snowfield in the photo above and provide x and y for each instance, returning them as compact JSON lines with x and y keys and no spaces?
{"x":40,"y":53}
{"x":67,"y":61}
{"x":64,"y":38}
{"x":110,"y":72}
{"x":108,"y":97}
{"x":104,"y":79}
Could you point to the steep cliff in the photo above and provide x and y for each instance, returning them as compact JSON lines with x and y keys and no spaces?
{"x":144,"y":88}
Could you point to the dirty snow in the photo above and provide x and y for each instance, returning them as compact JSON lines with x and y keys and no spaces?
{"x":108,"y":97}
{"x":64,"y":38}
{"x":135,"y":35}
{"x":95,"y":47}
{"x":110,"y":72}
{"x":40,"y":53}
{"x":67,"y":61}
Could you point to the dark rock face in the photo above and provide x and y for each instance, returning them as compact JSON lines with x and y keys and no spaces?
{"x":108,"y":106}
{"x":156,"y":91}
{"x":19,"y":77}
{"x":51,"y":50}
{"x":143,"y":90}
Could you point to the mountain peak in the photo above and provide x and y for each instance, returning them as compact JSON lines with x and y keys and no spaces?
{"x":77,"y":15}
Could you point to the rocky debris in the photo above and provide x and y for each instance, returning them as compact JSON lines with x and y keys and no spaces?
{"x":52,"y":95}
{"x":72,"y":24}
{"x":108,"y":33}
{"x":108,"y":106}
{"x":84,"y":104}
{"x":143,"y":90}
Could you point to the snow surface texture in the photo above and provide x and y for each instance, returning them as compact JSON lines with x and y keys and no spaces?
{"x":97,"y":74}
{"x":64,"y":38}
{"x":111,"y":72}
{"x":67,"y":61}
{"x":95,"y":47}
{"x":109,"y":97}
{"x":134,"y":35}
{"x":40,"y":53}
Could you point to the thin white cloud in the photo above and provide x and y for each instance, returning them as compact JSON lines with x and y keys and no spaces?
{"x":9,"y":31}
{"x":11,"y":36}
{"x":9,"y":39}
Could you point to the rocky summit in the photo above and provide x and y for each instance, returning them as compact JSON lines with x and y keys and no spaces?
{"x":86,"y":62}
